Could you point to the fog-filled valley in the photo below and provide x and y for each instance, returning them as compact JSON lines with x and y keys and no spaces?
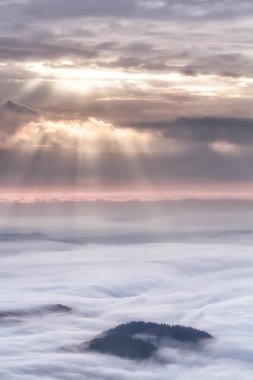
{"x":70,"y":271}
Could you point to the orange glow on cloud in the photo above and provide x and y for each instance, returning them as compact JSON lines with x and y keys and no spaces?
{"x":91,"y":134}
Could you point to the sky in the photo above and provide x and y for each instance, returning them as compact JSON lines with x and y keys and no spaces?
{"x":126,"y":98}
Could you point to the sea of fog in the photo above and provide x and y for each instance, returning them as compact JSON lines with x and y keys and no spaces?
{"x":188,"y":263}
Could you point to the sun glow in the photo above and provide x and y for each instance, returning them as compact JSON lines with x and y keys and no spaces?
{"x":65,"y":75}
{"x":89,"y":136}
{"x":96,"y":74}
{"x":77,"y":153}
{"x":83,"y":80}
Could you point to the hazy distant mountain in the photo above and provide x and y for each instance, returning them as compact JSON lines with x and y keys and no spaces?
{"x":14,"y":107}
{"x":16,"y":236}
{"x":39,"y":310}
{"x":139,"y":340}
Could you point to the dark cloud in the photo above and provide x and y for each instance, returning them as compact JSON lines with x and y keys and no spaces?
{"x":56,"y":9}
{"x":205,"y":129}
{"x":227,"y":64}
{"x":17,"y":49}
{"x":54,"y":167}
{"x":78,"y":8}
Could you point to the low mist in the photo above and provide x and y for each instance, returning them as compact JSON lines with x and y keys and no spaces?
{"x":63,"y":283}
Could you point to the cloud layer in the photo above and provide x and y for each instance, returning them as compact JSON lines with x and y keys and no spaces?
{"x":90,"y":154}
{"x":105,"y":286}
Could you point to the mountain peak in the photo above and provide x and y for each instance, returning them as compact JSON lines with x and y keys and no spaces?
{"x":11,"y":106}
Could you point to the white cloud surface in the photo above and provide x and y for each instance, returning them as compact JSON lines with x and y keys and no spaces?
{"x":207,"y":285}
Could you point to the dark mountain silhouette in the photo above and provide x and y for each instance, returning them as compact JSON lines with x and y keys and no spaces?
{"x":124,"y":346}
{"x":139,"y":340}
{"x":15,"y":236}
{"x":177,"y":332}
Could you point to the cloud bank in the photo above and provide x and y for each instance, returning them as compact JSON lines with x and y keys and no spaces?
{"x":107,"y":285}
{"x":92,"y":154}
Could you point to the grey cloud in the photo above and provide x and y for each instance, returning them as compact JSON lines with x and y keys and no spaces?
{"x":55,"y":166}
{"x":57,"y":9}
{"x":207,"y":129}
{"x":134,"y":8}
{"x":195,"y":160}
{"x":203,"y":52}
{"x":233,"y":64}
{"x":145,"y":57}
{"x":16,"y":49}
